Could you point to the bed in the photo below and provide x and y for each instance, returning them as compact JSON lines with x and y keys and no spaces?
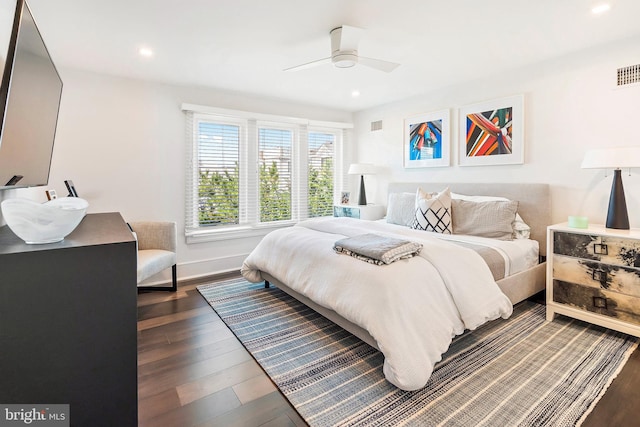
{"x":412,"y":323}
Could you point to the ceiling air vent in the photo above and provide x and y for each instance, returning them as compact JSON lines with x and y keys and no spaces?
{"x":629,"y":75}
{"x":377,"y":125}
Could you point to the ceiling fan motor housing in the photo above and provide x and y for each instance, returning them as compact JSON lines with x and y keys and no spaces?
{"x":344,"y":52}
{"x":344,"y":59}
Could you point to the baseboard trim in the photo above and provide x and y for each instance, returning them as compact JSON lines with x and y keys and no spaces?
{"x":199,"y":270}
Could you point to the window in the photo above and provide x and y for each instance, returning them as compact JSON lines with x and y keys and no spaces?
{"x":218,"y":173}
{"x":321,"y":174}
{"x":274,"y":158}
{"x":247,"y":172}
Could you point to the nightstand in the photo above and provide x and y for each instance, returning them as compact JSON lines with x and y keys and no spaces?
{"x":368,"y":212}
{"x":593,"y":274}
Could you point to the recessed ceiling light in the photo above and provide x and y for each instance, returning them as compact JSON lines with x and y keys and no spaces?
{"x":355,"y":93}
{"x":145,"y":51}
{"x":601,"y":8}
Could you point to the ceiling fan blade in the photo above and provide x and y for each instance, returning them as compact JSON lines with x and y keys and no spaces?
{"x":345,"y":37}
{"x":378,"y":64}
{"x":309,"y":64}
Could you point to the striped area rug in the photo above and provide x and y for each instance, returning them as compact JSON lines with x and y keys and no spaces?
{"x":517,"y":372}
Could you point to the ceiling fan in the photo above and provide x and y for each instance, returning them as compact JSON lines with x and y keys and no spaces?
{"x":344,"y":52}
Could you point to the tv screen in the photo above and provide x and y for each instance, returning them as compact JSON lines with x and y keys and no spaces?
{"x":29,"y":101}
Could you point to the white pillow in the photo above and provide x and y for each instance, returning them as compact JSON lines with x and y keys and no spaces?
{"x":493,"y":218}
{"x":401,"y":208}
{"x":521,"y":230}
{"x":433,"y":212}
{"x":477,"y":198}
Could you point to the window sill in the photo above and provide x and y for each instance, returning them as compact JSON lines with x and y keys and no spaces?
{"x":229,"y":233}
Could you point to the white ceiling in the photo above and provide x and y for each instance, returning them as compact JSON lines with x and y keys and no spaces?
{"x":243,"y":45}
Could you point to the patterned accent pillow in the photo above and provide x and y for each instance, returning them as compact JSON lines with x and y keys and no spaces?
{"x":433,"y":212}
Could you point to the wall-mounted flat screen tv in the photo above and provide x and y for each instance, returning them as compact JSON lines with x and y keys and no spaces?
{"x":30,"y":95}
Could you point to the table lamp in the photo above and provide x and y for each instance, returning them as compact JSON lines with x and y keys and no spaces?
{"x":615,"y":158}
{"x":362,"y":169}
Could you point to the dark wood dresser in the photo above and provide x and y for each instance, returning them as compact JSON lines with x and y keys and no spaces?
{"x":68,"y":322}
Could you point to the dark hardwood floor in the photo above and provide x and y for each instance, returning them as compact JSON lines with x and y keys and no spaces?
{"x":192,"y":371}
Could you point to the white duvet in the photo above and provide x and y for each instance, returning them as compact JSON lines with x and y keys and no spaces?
{"x":412,"y":308}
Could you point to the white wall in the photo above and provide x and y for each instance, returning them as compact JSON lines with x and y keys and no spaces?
{"x":122,"y":142}
{"x":571,"y":105}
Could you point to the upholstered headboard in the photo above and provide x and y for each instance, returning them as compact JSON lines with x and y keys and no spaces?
{"x":534,"y":200}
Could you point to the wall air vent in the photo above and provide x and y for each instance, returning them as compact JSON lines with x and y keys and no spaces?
{"x":377,"y":125}
{"x":628,"y":75}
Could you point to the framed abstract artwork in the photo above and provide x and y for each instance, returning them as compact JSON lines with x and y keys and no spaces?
{"x":427,"y":141}
{"x":492,"y":132}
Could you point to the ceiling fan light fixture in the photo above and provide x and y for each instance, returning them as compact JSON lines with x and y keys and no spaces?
{"x":344,"y":52}
{"x":345,"y":59}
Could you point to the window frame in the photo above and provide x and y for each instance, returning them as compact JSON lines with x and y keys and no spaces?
{"x":296,"y":141}
{"x":195,"y":192}
{"x":249,"y":203}
{"x":337,"y":147}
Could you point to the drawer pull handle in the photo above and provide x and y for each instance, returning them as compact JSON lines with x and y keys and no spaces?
{"x":600,"y":249}
{"x":600,"y":302}
{"x":599,"y":276}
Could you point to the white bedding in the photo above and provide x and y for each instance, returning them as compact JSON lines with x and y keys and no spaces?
{"x":519,"y":254}
{"x":412,"y":308}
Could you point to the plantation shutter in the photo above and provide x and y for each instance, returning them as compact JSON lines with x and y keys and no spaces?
{"x":247,"y":173}
{"x":321,"y":177}
{"x":190,"y":214}
{"x":275,"y":146}
{"x":217,"y":170}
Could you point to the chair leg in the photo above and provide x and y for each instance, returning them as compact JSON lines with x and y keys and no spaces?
{"x":174,"y":278}
{"x":172,"y":288}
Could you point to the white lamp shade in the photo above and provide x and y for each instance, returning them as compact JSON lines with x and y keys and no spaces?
{"x":612,"y":158}
{"x":361,"y":169}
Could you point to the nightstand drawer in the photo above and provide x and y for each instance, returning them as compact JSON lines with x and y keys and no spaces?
{"x":366,"y":212}
{"x":624,"y":280}
{"x":346,"y":211}
{"x":612,"y":250}
{"x":611,"y":304}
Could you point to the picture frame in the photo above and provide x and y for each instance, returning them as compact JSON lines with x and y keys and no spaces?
{"x":427,"y":140}
{"x":51,"y":194}
{"x":344,"y":197}
{"x":71,"y":188}
{"x":492,"y":132}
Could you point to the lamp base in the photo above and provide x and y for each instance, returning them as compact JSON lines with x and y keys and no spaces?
{"x":617,"y":216}
{"x":362,"y":200}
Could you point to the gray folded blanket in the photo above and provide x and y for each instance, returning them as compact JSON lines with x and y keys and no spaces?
{"x":377,"y":249}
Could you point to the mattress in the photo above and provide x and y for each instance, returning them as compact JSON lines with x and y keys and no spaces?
{"x":518,"y":255}
{"x":515,"y":255}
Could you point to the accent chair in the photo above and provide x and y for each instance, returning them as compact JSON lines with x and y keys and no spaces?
{"x":157,"y":242}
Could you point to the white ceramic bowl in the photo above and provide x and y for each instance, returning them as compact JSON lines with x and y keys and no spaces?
{"x":46,"y":222}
